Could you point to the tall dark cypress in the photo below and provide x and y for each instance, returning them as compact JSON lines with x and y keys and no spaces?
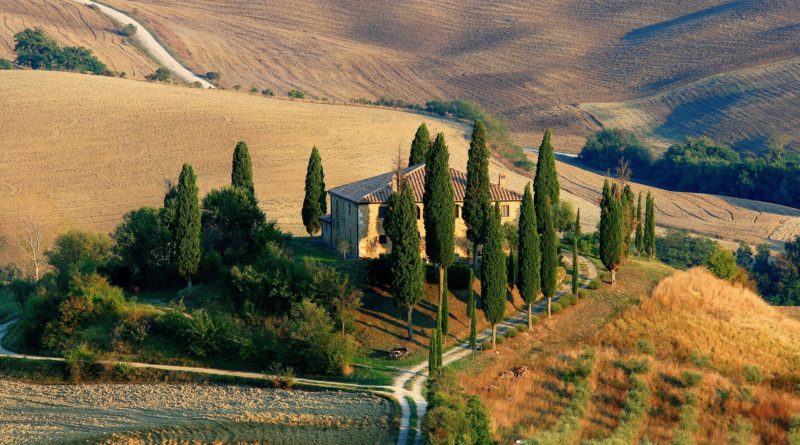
{"x":493,"y":274}
{"x":242,"y":169}
{"x":419,"y":146}
{"x":650,"y":228}
{"x":628,"y":219}
{"x":187,"y":225}
{"x":433,"y":353}
{"x":545,"y":183}
{"x":639,"y":240}
{"x":406,"y":265}
{"x":314,"y":203}
{"x":529,"y":262}
{"x":445,"y":312}
{"x":611,"y":238}
{"x":549,"y":243}
{"x":575,"y":237}
{"x":477,"y":196}
{"x":439,"y":209}
{"x":472,"y":313}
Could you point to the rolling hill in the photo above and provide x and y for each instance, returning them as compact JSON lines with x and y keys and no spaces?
{"x":533,"y":62}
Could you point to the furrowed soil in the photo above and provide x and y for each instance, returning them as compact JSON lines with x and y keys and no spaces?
{"x":154,"y":414}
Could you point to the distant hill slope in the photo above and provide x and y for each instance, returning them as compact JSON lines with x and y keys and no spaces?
{"x":72,"y":24}
{"x":532,"y":61}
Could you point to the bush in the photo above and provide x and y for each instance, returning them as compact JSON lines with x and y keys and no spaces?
{"x":213,"y":76}
{"x":594,"y":284}
{"x":700,"y":360}
{"x":10,"y":305}
{"x":633,"y":366}
{"x":687,"y":422}
{"x":511,"y":333}
{"x":522,"y":328}
{"x":794,"y":431}
{"x":534,"y":321}
{"x":583,"y":293}
{"x":486,"y":346}
{"x":500,"y":339}
{"x":722,"y":263}
{"x":128,"y":30}
{"x":160,"y":75}
{"x":6,"y":65}
{"x":267,"y":92}
{"x":453,"y":417}
{"x":81,"y":363}
{"x":645,"y":347}
{"x":568,"y":300}
{"x":690,"y":379}
{"x":752,"y":374}
{"x":35,"y":49}
{"x":458,"y":276}
{"x":636,"y":404}
{"x":378,"y":271}
{"x":296,"y":94}
{"x":556,"y":308}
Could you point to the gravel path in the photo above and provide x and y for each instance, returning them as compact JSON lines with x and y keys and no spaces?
{"x":154,"y":49}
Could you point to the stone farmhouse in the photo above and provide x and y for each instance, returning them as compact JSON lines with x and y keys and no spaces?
{"x":358,"y":209}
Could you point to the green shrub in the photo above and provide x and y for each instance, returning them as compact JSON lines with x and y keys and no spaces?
{"x":453,"y":417}
{"x":583,"y":293}
{"x":633,"y":366}
{"x":690,"y":379}
{"x":10,"y":306}
{"x":486,"y":346}
{"x":699,"y":359}
{"x":6,"y":65}
{"x":122,"y":372}
{"x":746,"y":394}
{"x":752,"y":374}
{"x":556,"y":307}
{"x":160,"y":75}
{"x":297,"y":94}
{"x":213,"y":76}
{"x":594,"y":284}
{"x":645,"y":347}
{"x":521,"y":328}
{"x":128,"y":30}
{"x":35,"y":49}
{"x":500,"y":339}
{"x":534,"y":320}
{"x":458,"y":276}
{"x":741,"y":432}
{"x":687,"y":421}
{"x":568,"y":300}
{"x":81,"y":363}
{"x":636,"y":405}
{"x":267,"y":92}
{"x":794,"y":431}
{"x":511,"y":333}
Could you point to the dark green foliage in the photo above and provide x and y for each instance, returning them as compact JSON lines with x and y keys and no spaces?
{"x":458,"y":276}
{"x":433,"y":352}
{"x":233,"y":225}
{"x":453,"y":417}
{"x":420,"y":146}
{"x":82,"y":363}
{"x":407,"y":272}
{"x":314,"y":202}
{"x":744,"y":255}
{"x":6,"y":65}
{"x":187,"y":223}
{"x":529,"y":251}
{"x":682,"y":250}
{"x":272,"y":283}
{"x":76,"y":254}
{"x":37,"y":50}
{"x":778,"y":276}
{"x":321,"y":347}
{"x":143,"y":250}
{"x":493,"y":272}
{"x":605,"y":149}
{"x":472,"y":314}
{"x":213,"y":76}
{"x":722,"y":263}
{"x":628,"y":213}
{"x":445,"y":309}
{"x":160,"y":75}
{"x":650,"y":227}
{"x":477,"y":196}
{"x":242,"y":169}
{"x":511,"y":270}
{"x":752,"y":374}
{"x":549,"y":250}
{"x":439,"y":205}
{"x":545,"y":183}
{"x":296,"y":94}
{"x":639,"y":238}
{"x":611,"y":237}
{"x":690,"y":379}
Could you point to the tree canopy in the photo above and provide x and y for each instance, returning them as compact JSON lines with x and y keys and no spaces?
{"x":420,"y":146}
{"x":242,"y":169}
{"x":314,"y":202}
{"x":545,"y":183}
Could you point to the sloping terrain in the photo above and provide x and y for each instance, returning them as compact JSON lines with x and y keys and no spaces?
{"x":72,"y":24}
{"x":533,"y":62}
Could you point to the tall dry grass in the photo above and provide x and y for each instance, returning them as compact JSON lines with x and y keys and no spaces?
{"x":694,"y":313}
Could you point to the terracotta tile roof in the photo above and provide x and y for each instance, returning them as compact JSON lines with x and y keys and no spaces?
{"x":377,"y":189}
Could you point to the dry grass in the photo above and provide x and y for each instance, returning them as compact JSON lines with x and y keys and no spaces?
{"x":72,"y":24}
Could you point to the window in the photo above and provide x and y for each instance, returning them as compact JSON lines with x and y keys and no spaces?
{"x":458,"y":211}
{"x":505,"y":211}
{"x":382,"y":210}
{"x":419,"y":213}
{"x":382,"y":239}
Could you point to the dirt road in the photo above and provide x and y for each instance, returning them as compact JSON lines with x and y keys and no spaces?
{"x":154,"y":49}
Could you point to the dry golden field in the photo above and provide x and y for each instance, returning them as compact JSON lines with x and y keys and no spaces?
{"x":72,"y":24}
{"x":532,"y":61}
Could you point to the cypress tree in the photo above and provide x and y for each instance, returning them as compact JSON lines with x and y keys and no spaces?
{"x":242,"y":169}
{"x":433,"y":354}
{"x":628,"y":219}
{"x":575,"y":237}
{"x":650,"y":228}
{"x":529,"y":262}
{"x":187,"y":224}
{"x":472,"y":313}
{"x":477,"y":196}
{"x":511,"y":270}
{"x":314,"y":203}
{"x":419,"y":146}
{"x":545,"y":183}
{"x":493,"y":274}
{"x":549,"y":254}
{"x":639,"y":240}
{"x":406,"y":265}
{"x":439,"y":209}
{"x":610,"y":230}
{"x":445,"y":312}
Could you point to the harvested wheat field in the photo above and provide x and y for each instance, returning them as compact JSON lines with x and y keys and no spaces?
{"x":491,"y":52}
{"x":154,"y":414}
{"x":72,"y":24}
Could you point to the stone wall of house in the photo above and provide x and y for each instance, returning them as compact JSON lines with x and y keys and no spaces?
{"x":344,"y":218}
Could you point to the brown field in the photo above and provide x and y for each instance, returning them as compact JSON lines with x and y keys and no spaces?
{"x":72,"y":24}
{"x":533,"y":62}
{"x":690,"y":313}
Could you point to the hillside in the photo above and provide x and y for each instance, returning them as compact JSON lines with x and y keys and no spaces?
{"x":699,"y":361}
{"x":533,"y":62}
{"x":72,"y":24}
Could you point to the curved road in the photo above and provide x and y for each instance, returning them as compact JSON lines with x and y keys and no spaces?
{"x":154,"y":49}
{"x":409,"y":384}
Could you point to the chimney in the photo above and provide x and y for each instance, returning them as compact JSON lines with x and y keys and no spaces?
{"x":501,"y":180}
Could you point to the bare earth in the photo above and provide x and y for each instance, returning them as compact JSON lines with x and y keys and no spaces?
{"x":33,"y":413}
